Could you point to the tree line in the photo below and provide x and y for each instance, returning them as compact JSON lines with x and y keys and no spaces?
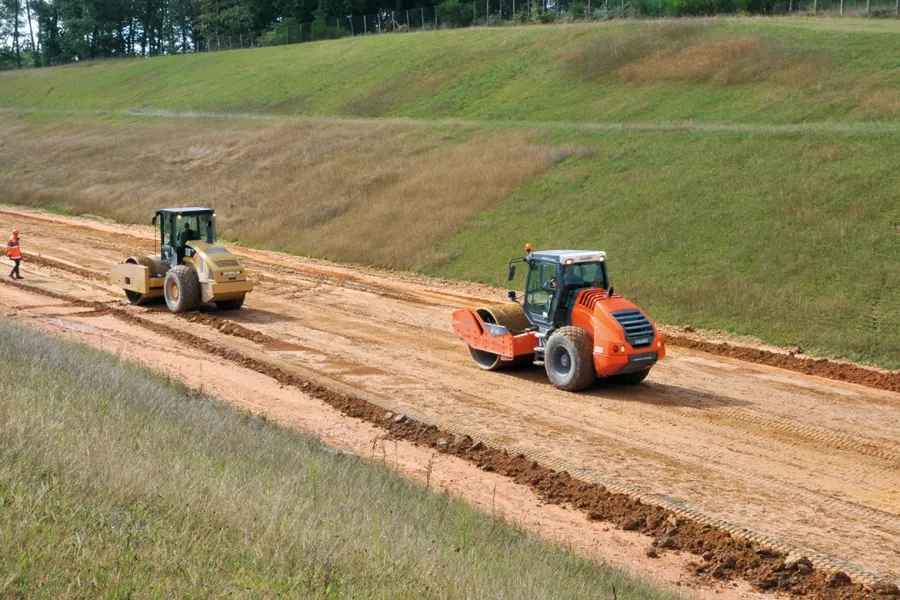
{"x":35,"y":33}
{"x":49,"y":32}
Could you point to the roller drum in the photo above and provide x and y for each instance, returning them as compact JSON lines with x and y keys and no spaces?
{"x":510,"y":315}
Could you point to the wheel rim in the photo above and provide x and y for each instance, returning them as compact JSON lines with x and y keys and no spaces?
{"x":560,"y":361}
{"x":173,"y":290}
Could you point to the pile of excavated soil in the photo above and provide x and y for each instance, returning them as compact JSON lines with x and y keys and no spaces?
{"x":721,"y":555}
{"x":820,"y":367}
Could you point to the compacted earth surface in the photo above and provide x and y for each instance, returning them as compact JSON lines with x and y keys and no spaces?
{"x":714,"y":470}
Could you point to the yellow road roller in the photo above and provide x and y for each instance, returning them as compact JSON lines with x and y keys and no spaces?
{"x":191,"y":268}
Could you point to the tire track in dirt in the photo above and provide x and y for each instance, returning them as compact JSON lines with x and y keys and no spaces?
{"x":798,"y":495}
{"x":822,"y":436}
{"x":826,"y":437}
{"x":522,"y":407}
{"x":726,"y":551}
{"x":820,"y":367}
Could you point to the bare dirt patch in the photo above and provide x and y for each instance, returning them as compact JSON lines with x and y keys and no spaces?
{"x":722,"y":555}
{"x":802,"y":462}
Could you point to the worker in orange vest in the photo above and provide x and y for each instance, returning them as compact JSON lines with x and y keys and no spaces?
{"x":14,"y":253}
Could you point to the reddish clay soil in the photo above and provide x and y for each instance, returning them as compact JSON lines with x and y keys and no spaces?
{"x":820,"y":367}
{"x":780,"y":472}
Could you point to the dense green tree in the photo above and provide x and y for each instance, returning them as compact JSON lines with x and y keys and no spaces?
{"x":51,"y":32}
{"x":10,"y":37}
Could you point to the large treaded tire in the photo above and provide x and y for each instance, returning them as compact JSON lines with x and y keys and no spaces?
{"x":569,"y":359}
{"x":181,"y":289}
{"x":631,"y":378}
{"x":232,"y":304}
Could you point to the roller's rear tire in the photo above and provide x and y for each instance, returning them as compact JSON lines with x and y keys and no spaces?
{"x":569,"y":359}
{"x":232,"y":304}
{"x":181,"y":289}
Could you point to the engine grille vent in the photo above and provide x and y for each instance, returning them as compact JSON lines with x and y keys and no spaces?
{"x":638,"y":329}
{"x":590,"y":298}
{"x":226,"y":263}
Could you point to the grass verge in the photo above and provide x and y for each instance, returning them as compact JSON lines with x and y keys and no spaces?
{"x":115,"y":482}
{"x":791,"y":238}
{"x":757,"y":70}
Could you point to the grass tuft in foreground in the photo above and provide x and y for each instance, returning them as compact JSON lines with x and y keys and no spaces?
{"x":113,"y":482}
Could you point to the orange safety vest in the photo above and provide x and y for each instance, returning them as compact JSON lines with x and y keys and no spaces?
{"x":12,"y":248}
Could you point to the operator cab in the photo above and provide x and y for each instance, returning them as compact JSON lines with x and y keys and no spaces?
{"x":555,"y":278}
{"x":179,"y":226}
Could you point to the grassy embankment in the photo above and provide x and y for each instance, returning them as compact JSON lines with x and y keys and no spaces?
{"x":114,"y":482}
{"x":770,"y":210}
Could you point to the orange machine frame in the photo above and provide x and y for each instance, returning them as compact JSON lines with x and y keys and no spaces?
{"x":591,"y":312}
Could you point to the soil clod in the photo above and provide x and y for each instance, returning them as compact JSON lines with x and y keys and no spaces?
{"x":886,"y":588}
{"x":839,"y":579}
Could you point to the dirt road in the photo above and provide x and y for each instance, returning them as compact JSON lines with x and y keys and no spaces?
{"x":807,"y":462}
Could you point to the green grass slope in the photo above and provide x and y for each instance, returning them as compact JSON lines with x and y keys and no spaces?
{"x":740,"y":172}
{"x":747,"y":70}
{"x":115,"y":484}
{"x":792,"y":238}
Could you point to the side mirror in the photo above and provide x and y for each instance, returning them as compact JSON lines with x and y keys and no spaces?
{"x":511,"y":294}
{"x":153,"y":220}
{"x":512,"y":272}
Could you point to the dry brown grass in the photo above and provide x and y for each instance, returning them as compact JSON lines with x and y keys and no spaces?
{"x":396,"y":92}
{"x":797,"y":74}
{"x":729,"y":61}
{"x":707,"y":60}
{"x":604,"y":55}
{"x":381,"y":194}
{"x":683,"y":51}
{"x":881,"y":103}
